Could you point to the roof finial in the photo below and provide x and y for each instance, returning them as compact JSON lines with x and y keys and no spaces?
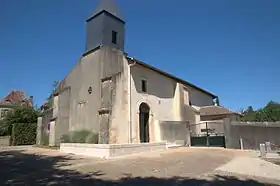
{"x":109,"y":6}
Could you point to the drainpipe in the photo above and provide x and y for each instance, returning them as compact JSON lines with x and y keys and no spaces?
{"x":129,"y":93}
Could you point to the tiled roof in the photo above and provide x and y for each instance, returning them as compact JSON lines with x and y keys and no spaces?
{"x":15,"y":97}
{"x":215,"y":110}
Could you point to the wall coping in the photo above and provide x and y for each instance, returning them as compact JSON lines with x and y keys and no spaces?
{"x":256,"y":124}
{"x":5,"y":137}
{"x":174,"y":122}
{"x":111,"y":146}
{"x":108,"y":151}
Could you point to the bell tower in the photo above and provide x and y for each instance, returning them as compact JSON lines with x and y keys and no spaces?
{"x":105,"y":27}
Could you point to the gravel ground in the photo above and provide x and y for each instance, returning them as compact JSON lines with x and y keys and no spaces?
{"x":275,"y":161}
{"x":252,"y":167}
{"x":182,"y":166}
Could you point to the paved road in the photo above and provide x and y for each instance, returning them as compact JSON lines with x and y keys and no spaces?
{"x":182,"y":166}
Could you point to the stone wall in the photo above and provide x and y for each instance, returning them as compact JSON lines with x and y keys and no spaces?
{"x":251,"y":133}
{"x":110,"y":150}
{"x":42,"y":126}
{"x":5,"y":140}
{"x":62,"y":120}
{"x":175,"y":132}
{"x":39,"y":131}
{"x":113,"y":117}
{"x":93,"y":92}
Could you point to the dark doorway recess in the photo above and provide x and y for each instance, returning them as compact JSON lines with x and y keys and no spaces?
{"x":144,"y":113}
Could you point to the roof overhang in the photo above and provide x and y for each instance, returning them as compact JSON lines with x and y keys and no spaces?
{"x":222,"y":114}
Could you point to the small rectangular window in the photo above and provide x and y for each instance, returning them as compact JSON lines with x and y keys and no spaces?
{"x":114,"y":37}
{"x":2,"y":114}
{"x":144,"y":85}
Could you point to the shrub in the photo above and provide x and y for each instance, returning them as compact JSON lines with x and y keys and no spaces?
{"x":4,"y":129}
{"x":92,"y":138}
{"x":82,"y":136}
{"x":65,"y":138}
{"x":24,"y":133}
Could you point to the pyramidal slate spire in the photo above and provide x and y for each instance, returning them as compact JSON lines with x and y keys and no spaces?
{"x":105,"y":27}
{"x":109,"y":6}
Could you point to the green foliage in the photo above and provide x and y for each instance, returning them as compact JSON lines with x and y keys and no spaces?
{"x":24,"y":134}
{"x":269,"y":113}
{"x":249,"y":114}
{"x":92,"y":138}
{"x":65,"y":138}
{"x":82,"y":136}
{"x":4,"y":129}
{"x":20,"y":114}
{"x":217,"y":101}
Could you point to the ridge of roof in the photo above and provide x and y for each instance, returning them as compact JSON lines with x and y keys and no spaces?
{"x":108,"y":6}
{"x":207,"y":106}
{"x":215,"y":110}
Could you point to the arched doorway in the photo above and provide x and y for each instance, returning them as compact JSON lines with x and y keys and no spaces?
{"x":144,"y":112}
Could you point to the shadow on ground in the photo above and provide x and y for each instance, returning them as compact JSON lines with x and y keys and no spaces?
{"x":19,"y":168}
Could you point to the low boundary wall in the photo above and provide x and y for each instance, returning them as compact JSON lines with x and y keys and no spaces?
{"x":111,"y":150}
{"x":175,"y":132}
{"x":249,"y":135}
{"x":5,"y":140}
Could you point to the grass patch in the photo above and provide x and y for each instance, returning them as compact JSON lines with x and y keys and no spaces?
{"x":82,"y":136}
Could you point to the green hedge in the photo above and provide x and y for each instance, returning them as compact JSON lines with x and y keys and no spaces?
{"x":82,"y":136}
{"x":24,"y":134}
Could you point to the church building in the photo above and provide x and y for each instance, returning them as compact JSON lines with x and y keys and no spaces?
{"x":119,"y":97}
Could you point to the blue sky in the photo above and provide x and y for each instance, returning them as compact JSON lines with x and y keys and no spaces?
{"x":229,"y":47}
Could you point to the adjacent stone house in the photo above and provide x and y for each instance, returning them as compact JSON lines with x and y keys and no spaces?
{"x":211,"y":117}
{"x":213,"y":112}
{"x":117,"y":96}
{"x":13,"y":99}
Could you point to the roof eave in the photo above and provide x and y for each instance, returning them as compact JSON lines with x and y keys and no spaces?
{"x":7,"y":105}
{"x":222,"y":114}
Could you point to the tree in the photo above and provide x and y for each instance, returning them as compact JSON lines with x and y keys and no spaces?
{"x":21,"y":114}
{"x":217,"y":101}
{"x":249,"y":114}
{"x":269,"y":113}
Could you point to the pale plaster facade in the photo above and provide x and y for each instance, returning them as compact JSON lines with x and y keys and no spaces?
{"x":167,"y":99}
{"x":103,"y":93}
